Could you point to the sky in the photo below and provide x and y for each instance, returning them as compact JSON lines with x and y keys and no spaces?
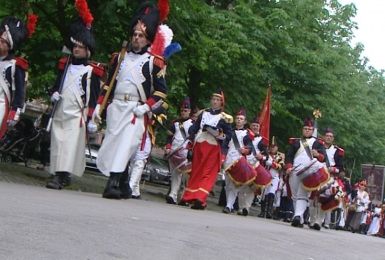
{"x":370,"y":19}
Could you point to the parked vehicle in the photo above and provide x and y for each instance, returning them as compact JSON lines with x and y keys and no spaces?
{"x":157,"y":171}
{"x":91,"y":153}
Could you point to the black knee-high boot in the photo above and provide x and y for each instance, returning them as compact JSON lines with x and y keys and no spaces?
{"x":124,"y":186}
{"x":263,"y":209}
{"x":112,"y":190}
{"x":60,"y":180}
{"x":269,"y":205}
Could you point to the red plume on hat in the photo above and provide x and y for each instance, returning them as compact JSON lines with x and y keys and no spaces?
{"x":31,"y":23}
{"x":164,"y":34}
{"x":164,"y":10}
{"x":84,"y":12}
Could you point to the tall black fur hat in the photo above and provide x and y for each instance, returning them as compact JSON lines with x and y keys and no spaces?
{"x":14,"y":31}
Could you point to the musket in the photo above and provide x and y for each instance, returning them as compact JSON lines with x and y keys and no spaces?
{"x":69,"y":54}
{"x":122,"y":54}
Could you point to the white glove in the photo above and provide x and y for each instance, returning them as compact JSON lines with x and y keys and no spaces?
{"x":95,"y":115}
{"x":139,"y":111}
{"x":55,"y":97}
{"x":92,"y":127}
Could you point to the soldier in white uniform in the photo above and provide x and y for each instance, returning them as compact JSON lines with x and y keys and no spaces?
{"x":140,"y":87}
{"x":177,"y":149}
{"x":75,"y":105}
{"x":238,"y":146}
{"x":274,"y":164}
{"x":327,"y":193}
{"x":258,"y":156}
{"x":12,"y":72}
{"x":302,"y":152}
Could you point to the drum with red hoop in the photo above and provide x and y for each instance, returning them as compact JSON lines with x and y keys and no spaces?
{"x":178,"y":161}
{"x":313,"y":175}
{"x":241,"y":172}
{"x":314,"y":180}
{"x":330,"y":196}
{"x":263,"y":176}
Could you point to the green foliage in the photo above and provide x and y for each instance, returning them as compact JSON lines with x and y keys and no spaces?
{"x":301,"y":47}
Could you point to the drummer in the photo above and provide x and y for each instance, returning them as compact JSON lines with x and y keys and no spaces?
{"x":239,"y":146}
{"x":329,"y":196}
{"x":177,"y":145}
{"x":258,"y":157}
{"x":301,"y":152}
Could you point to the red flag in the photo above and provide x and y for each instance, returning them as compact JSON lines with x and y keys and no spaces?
{"x":264,"y":118}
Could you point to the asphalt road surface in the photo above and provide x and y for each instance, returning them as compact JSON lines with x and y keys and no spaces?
{"x":37,"y":223}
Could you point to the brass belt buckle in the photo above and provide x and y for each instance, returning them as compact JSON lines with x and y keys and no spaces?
{"x":126,"y":97}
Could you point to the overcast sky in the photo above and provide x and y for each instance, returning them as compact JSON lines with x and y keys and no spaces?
{"x":371,"y":32}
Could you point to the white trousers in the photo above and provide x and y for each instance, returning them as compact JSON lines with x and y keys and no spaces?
{"x":316,"y":214}
{"x":137,"y":165}
{"x":300,"y":196}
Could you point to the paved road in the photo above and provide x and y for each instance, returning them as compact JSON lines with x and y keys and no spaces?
{"x":37,"y":223}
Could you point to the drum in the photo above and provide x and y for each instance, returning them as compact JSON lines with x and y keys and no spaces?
{"x":263,"y":176}
{"x":241,"y":172}
{"x":331,"y":197}
{"x":178,"y":161}
{"x":313,"y":175}
{"x":329,"y":203}
{"x":315,"y":179}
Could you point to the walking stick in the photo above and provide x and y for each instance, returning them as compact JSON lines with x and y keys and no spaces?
{"x":112,"y":82}
{"x":69,"y":54}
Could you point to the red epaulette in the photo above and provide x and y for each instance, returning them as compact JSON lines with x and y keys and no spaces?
{"x":22,"y":63}
{"x":251,"y":134}
{"x":97,"y":69}
{"x":62,"y":63}
{"x":320,"y":140}
{"x":341,"y":152}
{"x":159,"y":62}
{"x":113,"y":57}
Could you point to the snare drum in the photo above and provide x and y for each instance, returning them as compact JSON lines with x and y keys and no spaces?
{"x":263,"y":176}
{"x":178,"y":161}
{"x":241,"y":172}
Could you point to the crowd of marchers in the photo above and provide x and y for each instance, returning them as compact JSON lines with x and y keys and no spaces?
{"x":305,"y":185}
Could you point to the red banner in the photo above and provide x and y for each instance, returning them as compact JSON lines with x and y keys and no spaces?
{"x":264,"y":118}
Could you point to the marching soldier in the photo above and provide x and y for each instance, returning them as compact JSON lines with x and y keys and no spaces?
{"x":258,"y":156}
{"x":239,"y":173}
{"x":138,"y":89}
{"x":303,"y":162}
{"x":210,"y":131}
{"x":177,"y":149}
{"x":13,"y":33}
{"x":75,"y":91}
{"x":274,"y":164}
{"x":334,"y":162}
{"x":327,"y":198}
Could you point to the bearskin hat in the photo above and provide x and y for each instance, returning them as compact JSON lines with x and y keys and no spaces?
{"x":14,"y":31}
{"x":80,"y":30}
